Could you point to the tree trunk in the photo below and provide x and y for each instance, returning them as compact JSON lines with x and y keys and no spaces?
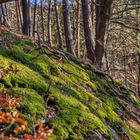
{"x":49,"y":24}
{"x":88,"y":33}
{"x":26,"y":17}
{"x":67,"y":26}
{"x":138,"y":45}
{"x":58,"y":26}
{"x":6,"y":11}
{"x":73,"y":19}
{"x":20,"y":15}
{"x":17,"y":12}
{"x":34,"y":18}
{"x":139,"y":75}
{"x":92,"y":13}
{"x":29,"y":17}
{"x":42,"y":21}
{"x":3,"y":15}
{"x":103,"y":9}
{"x":78,"y":29}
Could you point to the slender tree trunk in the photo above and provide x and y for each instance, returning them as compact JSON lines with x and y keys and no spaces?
{"x":42,"y":21}
{"x":49,"y":23}
{"x":17,"y":12}
{"x":88,"y":33}
{"x":138,"y":45}
{"x":20,"y":15}
{"x":58,"y":26}
{"x":103,"y":9}
{"x":78,"y":29}
{"x":3,"y":15}
{"x":26,"y":17}
{"x":73,"y":13}
{"x":67,"y":26}
{"x":6,"y":11}
{"x":139,"y":75}
{"x":34,"y":18}
{"x":0,"y":15}
{"x":29,"y":18}
{"x":92,"y":13}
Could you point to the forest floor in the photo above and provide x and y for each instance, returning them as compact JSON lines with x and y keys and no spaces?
{"x":76,"y":101}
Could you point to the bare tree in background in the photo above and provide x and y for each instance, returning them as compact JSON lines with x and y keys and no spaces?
{"x":88,"y":32}
{"x":49,"y":23}
{"x":58,"y":26}
{"x":67,"y":27}
{"x":34,"y":17}
{"x":138,"y":46}
{"x":26,"y":17}
{"x":78,"y":8}
{"x":2,"y":15}
{"x":42,"y":21}
{"x":103,"y":9}
{"x":17,"y":13}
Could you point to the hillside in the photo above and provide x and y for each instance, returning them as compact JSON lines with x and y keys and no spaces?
{"x":76,"y":101}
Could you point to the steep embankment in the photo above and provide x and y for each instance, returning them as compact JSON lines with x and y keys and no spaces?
{"x":79,"y":103}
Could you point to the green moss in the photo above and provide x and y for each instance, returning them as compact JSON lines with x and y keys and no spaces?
{"x":32,"y":106}
{"x":81,"y":96}
{"x":73,"y":58}
{"x":136,"y":101}
{"x":136,"y":136}
{"x":107,"y":113}
{"x":58,"y":80}
{"x":93,"y":85}
{"x":18,"y":75}
{"x":31,"y":101}
{"x":118,"y":83}
{"x":7,"y":35}
{"x":25,"y":43}
{"x":84,"y":101}
{"x":74,"y":117}
{"x":44,"y":66}
{"x":75,"y":71}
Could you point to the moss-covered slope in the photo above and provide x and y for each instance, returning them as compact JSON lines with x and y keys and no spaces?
{"x":76,"y":102}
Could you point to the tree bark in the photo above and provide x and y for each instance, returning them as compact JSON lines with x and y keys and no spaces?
{"x":78,"y":28}
{"x":103,"y":8}
{"x":17,"y":14}
{"x":49,"y":24}
{"x":42,"y":21}
{"x":26,"y":17}
{"x":138,"y":45}
{"x":67,"y":26}
{"x":58,"y":26}
{"x":88,"y":33}
{"x":34,"y":18}
{"x":3,"y":15}
{"x":20,"y":15}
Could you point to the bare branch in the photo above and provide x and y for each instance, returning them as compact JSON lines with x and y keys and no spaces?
{"x":125,"y":25}
{"x":125,"y":10}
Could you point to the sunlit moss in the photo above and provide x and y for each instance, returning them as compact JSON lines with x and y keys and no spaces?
{"x":32,"y":106}
{"x":83,"y":100}
{"x":73,"y":116}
